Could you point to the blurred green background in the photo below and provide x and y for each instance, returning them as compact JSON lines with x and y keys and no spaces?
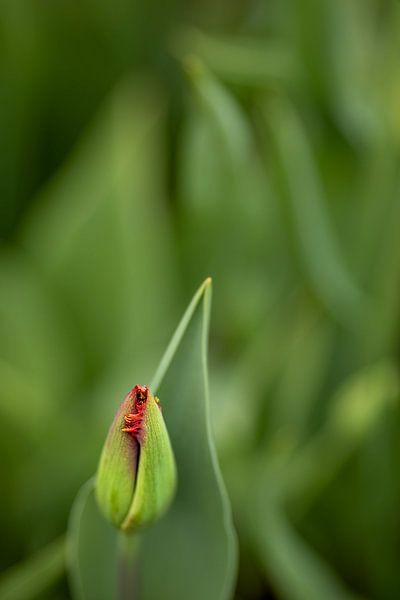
{"x":145,"y":146}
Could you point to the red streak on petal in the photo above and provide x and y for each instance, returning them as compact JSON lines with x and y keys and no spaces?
{"x":133,"y":421}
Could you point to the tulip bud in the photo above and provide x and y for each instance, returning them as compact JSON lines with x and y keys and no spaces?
{"x":136,"y":476}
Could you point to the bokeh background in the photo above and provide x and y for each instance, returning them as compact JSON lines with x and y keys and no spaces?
{"x":147,"y":145}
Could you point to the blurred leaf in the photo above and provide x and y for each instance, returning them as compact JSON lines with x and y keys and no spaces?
{"x":380,"y":335}
{"x":196,"y":535}
{"x":226,"y":116}
{"x":300,"y":384}
{"x":297,"y":571}
{"x":378,"y":183}
{"x":355,"y":412}
{"x":36,"y":349}
{"x":39,"y":370}
{"x":100,"y":234}
{"x":30,"y":579}
{"x":21,"y":70}
{"x":292,"y":568}
{"x":253,"y":374}
{"x":222,"y":140}
{"x":245,"y":61}
{"x":219,"y":140}
{"x":316,"y":242}
{"x":285,"y":480}
{"x":353,"y":53}
{"x":92,"y":549}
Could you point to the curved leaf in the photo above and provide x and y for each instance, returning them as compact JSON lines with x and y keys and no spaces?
{"x":192,"y":550}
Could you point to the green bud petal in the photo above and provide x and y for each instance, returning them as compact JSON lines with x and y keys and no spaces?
{"x":156,"y":475}
{"x":116,"y":473}
{"x":136,"y":477}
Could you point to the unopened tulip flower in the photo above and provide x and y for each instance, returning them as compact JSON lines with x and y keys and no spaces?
{"x":136,"y":477}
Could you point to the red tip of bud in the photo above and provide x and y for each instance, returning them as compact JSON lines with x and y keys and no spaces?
{"x":140,"y":393}
{"x":133,"y":421}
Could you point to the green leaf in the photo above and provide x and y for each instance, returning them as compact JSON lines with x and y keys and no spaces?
{"x":284,"y":483}
{"x":296,"y":570}
{"x":193,"y":547}
{"x":380,"y":335}
{"x":91,"y":549}
{"x":35,"y":349}
{"x":356,"y":410}
{"x":100,"y":227}
{"x":31,"y":578}
{"x":218,"y":139}
{"x":316,"y":241}
{"x":244,"y":61}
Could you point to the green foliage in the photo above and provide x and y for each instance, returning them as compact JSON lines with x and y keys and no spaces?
{"x":196,"y":535}
{"x":143,"y":147}
{"x":33,"y":577}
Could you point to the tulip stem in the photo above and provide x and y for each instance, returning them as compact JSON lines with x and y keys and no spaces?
{"x":128,"y":547}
